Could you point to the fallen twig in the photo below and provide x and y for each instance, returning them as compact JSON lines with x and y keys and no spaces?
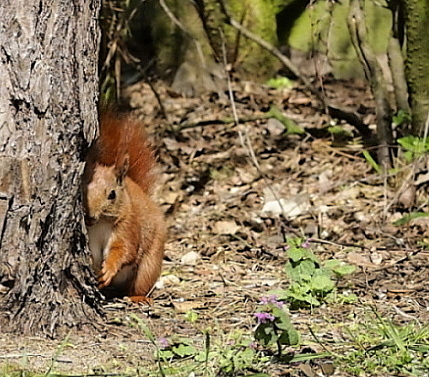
{"x":227,"y":120}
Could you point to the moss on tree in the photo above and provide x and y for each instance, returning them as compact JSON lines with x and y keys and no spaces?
{"x":417,"y":62}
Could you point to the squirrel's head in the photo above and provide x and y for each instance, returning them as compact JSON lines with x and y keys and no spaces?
{"x":104,"y":194}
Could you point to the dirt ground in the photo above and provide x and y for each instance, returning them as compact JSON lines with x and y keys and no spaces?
{"x":219,"y":186}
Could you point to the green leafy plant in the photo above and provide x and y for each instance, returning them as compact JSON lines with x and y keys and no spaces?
{"x":176,"y":347}
{"x":236,"y":354}
{"x":239,"y":355}
{"x":413,"y":147}
{"x":380,"y":347}
{"x":311,"y":282}
{"x":401,"y":118}
{"x":229,"y":355}
{"x":274,"y":325}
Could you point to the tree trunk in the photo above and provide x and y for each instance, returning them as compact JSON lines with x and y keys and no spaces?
{"x":190,"y":40}
{"x":48,"y":115}
{"x":417,"y":72}
{"x":396,"y":58}
{"x":374,"y":75}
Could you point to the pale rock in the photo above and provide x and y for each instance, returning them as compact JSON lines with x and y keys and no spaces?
{"x":226,"y":227}
{"x":190,"y":259}
{"x":167,"y":281}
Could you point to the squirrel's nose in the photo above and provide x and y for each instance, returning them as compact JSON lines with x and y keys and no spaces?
{"x":90,"y":220}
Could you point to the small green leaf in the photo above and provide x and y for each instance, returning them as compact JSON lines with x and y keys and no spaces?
{"x":343,"y":270}
{"x":401,"y":117}
{"x":183,"y":350}
{"x":280,"y":293}
{"x":265,"y":334}
{"x":282,"y":319}
{"x":332,"y":264}
{"x":323,"y":283}
{"x":280,"y":83}
{"x":289,"y":338}
{"x":411,"y":216}
{"x":409,"y":156}
{"x":408,"y":142}
{"x":340,"y":131}
{"x":290,"y":125}
{"x":306,"y":269}
{"x":293,"y":273}
{"x":191,"y":316}
{"x":296,"y":254}
{"x":312,"y":301}
{"x":371,"y":162}
{"x":166,"y":354}
{"x":298,"y":291}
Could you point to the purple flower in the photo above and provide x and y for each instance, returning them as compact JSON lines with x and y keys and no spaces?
{"x":163,"y":342}
{"x":253,"y":346}
{"x":271,"y":300}
{"x":306,"y":244}
{"x":264,"y":317}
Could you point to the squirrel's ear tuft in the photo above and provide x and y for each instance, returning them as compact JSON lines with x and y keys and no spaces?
{"x":122,"y":169}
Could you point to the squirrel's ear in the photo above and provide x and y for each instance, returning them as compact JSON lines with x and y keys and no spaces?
{"x":122,"y":169}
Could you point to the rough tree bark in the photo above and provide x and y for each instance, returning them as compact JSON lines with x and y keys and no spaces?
{"x":417,"y":72}
{"x":48,"y":94}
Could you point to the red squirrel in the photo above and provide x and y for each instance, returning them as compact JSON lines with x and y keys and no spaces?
{"x":126,"y":228}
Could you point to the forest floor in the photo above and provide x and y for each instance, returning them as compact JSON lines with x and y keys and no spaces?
{"x":228,"y":240}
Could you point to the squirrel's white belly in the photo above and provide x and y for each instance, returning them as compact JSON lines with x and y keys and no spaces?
{"x":100,"y":239}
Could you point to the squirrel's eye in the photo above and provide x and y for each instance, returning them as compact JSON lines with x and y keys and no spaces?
{"x":112,"y":195}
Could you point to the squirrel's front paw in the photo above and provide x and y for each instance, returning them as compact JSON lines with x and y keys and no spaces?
{"x":107,"y":273}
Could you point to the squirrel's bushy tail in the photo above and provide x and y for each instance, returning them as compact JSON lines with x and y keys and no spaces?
{"x":122,"y":135}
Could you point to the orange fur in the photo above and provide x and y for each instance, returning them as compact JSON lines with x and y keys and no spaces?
{"x":122,"y":135}
{"x":125,"y":227}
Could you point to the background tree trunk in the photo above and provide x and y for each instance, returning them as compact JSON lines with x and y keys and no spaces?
{"x":189,"y":39}
{"x":417,"y":25}
{"x":48,"y":114}
{"x":374,"y":74}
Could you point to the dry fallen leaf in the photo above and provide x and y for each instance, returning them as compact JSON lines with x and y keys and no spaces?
{"x":359,"y":260}
{"x":376,"y":258}
{"x":186,"y":306}
{"x":291,"y":207}
{"x":167,"y":281}
{"x":226,"y":227}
